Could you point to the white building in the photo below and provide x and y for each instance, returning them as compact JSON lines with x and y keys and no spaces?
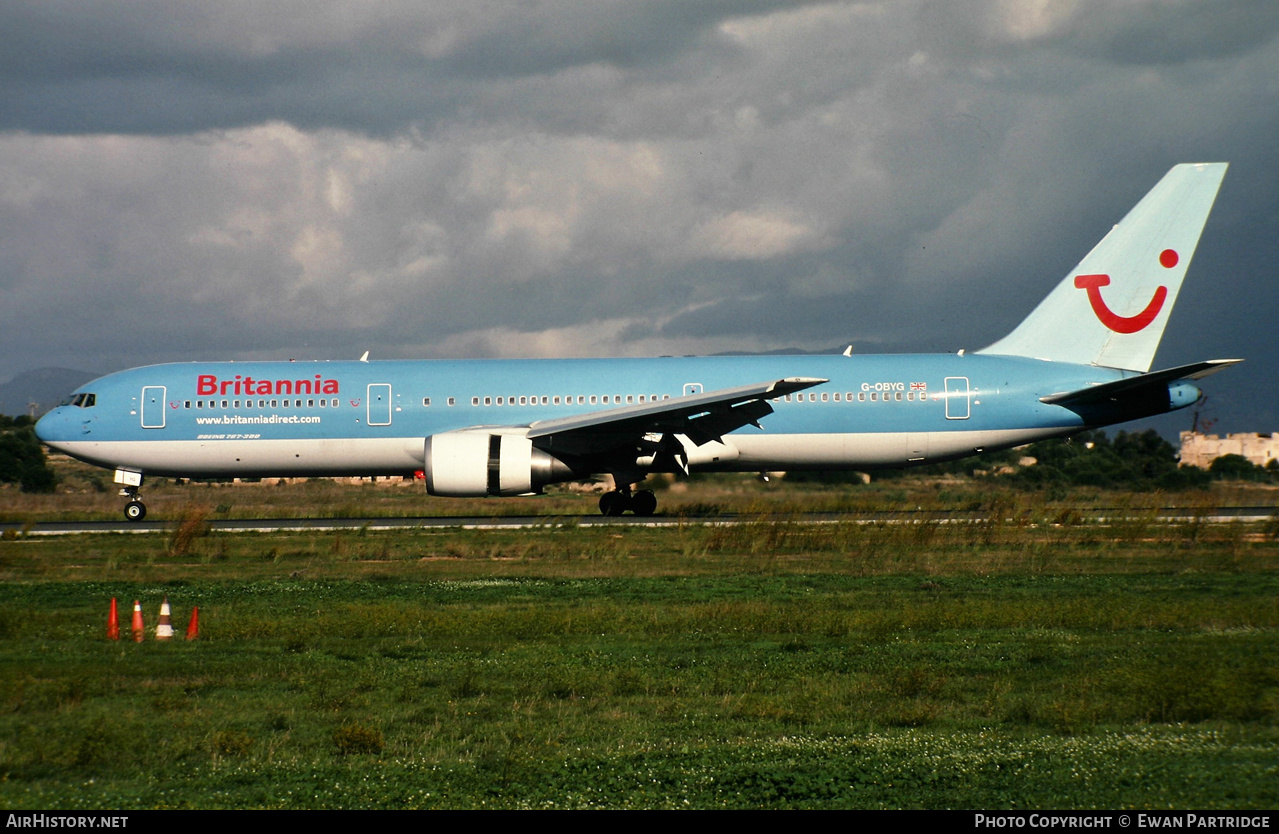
{"x":1202,"y":449}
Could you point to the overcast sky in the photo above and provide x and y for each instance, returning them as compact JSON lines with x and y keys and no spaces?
{"x":232,"y":180}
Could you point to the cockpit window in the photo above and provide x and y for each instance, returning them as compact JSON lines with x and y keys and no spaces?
{"x":84,"y":400}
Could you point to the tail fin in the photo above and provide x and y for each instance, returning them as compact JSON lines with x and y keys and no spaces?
{"x":1111,"y":309}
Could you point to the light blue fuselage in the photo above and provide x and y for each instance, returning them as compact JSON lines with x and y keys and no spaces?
{"x":248,"y":419}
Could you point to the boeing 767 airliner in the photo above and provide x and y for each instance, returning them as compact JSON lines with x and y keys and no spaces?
{"x":1080,"y":360}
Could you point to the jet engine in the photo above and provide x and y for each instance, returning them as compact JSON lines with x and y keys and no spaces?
{"x":480,"y":462}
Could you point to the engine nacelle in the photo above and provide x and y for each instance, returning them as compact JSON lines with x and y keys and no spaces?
{"x":464,"y":464}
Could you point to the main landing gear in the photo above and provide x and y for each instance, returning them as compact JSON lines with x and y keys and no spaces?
{"x":642,"y":503}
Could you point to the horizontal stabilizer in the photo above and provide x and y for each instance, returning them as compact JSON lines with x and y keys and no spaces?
{"x":1109,"y":391}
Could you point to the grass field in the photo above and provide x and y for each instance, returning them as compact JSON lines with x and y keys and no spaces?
{"x":1028,"y":661}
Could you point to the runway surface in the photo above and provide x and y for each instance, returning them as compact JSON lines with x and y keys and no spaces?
{"x":1167,"y":515}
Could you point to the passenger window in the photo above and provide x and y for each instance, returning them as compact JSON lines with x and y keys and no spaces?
{"x":452,"y":401}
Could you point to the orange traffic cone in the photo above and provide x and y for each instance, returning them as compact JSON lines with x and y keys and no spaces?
{"x":138,"y":628}
{"x":193,"y":627}
{"x":164,"y":629}
{"x":113,"y":622}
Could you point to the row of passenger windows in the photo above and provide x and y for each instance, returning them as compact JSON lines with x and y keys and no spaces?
{"x":861,"y":397}
{"x":260,"y":404}
{"x":632,"y":399}
{"x":87,"y":400}
{"x":579,"y":399}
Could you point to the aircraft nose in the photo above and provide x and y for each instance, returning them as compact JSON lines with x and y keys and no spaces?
{"x":43,"y":427}
{"x":53,"y":426}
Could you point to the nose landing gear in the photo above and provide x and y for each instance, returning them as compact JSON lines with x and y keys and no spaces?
{"x":135,"y":510}
{"x":130,"y":484}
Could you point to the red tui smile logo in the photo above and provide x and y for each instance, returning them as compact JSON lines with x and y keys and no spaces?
{"x":1125,"y":324}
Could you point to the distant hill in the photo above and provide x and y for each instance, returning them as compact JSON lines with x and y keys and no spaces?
{"x":44,"y":386}
{"x":790,"y":351}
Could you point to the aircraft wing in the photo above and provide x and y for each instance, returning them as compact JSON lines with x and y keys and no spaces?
{"x":701,"y":417}
{"x":1108,"y":391}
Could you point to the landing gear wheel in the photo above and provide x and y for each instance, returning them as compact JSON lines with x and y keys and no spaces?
{"x":643,"y":503}
{"x":613,"y":503}
{"x":135,"y":511}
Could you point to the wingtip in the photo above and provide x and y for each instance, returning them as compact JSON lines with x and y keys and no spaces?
{"x":795,"y":383}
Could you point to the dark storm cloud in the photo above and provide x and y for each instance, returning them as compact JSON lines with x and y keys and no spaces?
{"x":192,"y":180}
{"x":377,"y":67}
{"x":1172,"y":33}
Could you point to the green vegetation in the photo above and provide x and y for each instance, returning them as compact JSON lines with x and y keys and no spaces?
{"x":22,"y":457}
{"x":1132,"y":461}
{"x":1141,"y":461}
{"x":1239,"y":468}
{"x":1024,"y":659}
